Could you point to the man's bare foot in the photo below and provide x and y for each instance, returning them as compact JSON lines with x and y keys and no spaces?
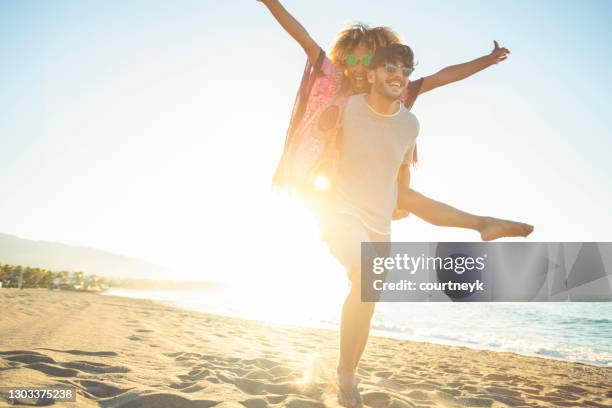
{"x":494,"y":228}
{"x":348,"y":394}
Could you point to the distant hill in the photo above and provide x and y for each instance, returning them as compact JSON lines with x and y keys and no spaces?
{"x":56,"y":256}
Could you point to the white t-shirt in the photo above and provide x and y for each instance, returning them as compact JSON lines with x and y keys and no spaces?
{"x":373,"y":148}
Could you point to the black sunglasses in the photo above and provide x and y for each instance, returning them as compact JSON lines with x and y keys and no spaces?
{"x":391,"y":68}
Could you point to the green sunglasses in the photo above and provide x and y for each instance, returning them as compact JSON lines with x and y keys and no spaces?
{"x":352,"y":60}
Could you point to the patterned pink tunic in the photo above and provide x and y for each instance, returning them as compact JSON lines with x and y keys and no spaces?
{"x":311,"y":141}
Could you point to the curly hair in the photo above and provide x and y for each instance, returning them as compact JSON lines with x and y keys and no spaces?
{"x":360,"y":34}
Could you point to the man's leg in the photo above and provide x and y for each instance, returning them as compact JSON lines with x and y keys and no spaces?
{"x":354,"y":329}
{"x":354,"y":333}
{"x":356,"y":315}
{"x":441,"y":214}
{"x":381,"y":250}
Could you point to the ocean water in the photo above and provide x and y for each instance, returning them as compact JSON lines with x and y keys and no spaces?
{"x":572,"y":331}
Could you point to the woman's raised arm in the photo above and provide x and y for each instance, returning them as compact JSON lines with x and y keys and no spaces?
{"x":294,"y":28}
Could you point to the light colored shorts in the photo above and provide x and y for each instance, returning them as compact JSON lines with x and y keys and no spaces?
{"x":346,"y":233}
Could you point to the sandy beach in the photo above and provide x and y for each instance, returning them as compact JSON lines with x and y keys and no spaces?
{"x":120,"y":352}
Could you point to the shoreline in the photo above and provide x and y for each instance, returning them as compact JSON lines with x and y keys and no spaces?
{"x":384,"y":333}
{"x":120,"y":351}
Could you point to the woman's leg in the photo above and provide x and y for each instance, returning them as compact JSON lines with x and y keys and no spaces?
{"x":441,"y":214}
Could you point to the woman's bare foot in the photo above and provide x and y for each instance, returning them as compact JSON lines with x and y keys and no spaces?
{"x":494,"y":228}
{"x":348,"y":394}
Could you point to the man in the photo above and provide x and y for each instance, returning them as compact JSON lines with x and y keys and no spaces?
{"x":327,"y":79}
{"x":378,"y":139}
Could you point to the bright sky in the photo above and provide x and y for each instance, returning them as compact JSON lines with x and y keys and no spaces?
{"x":152,"y":128}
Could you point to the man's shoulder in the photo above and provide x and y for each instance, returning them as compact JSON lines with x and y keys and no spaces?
{"x":408,"y":118}
{"x":407,"y":114}
{"x":354,"y":105}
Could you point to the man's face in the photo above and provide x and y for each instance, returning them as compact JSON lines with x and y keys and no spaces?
{"x":358,"y":73}
{"x":389,"y":80}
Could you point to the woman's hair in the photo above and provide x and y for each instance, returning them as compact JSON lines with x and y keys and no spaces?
{"x":360,"y":34}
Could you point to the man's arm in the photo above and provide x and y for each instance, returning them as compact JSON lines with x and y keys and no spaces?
{"x":403,"y":183}
{"x":294,"y":28}
{"x":458,"y":72}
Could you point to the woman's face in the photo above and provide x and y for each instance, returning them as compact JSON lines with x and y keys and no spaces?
{"x":358,"y":73}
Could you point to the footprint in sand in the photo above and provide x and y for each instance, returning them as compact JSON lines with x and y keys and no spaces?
{"x":11,"y":352}
{"x":502,"y":391}
{"x":194,"y":375}
{"x":259,"y":375}
{"x":255,"y":403}
{"x":391,"y":385}
{"x":572,"y":389}
{"x":45,"y":364}
{"x":276,"y":399}
{"x":129,"y":400}
{"x":469,"y":388}
{"x":183,"y":356}
{"x":84,"y":353}
{"x":29,"y":358}
{"x":475,"y":402}
{"x":376,"y":398}
{"x":498,"y":377}
{"x":176,"y":354}
{"x":193,"y":388}
{"x":182,"y":385}
{"x":383,"y":374}
{"x":262,"y":363}
{"x":53,"y":370}
{"x":255,"y":387}
{"x":510,"y":401}
{"x":419,"y":395}
{"x":452,"y":391}
{"x":101,"y":390}
{"x":94,"y":368}
{"x":294,"y":402}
